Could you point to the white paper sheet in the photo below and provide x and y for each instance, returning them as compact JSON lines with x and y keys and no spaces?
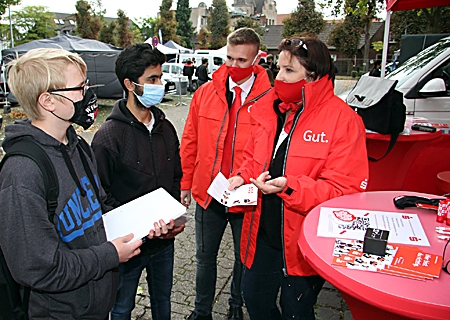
{"x":138,"y":216}
{"x":404,"y":228}
{"x":245,"y":195}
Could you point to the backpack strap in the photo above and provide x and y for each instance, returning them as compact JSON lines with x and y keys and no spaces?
{"x":394,"y":137}
{"x":27,"y":147}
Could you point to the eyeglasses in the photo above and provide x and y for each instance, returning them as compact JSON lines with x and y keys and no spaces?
{"x":445,"y":265}
{"x":80,"y":88}
{"x":295,"y":44}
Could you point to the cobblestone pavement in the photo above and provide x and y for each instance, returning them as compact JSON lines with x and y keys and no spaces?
{"x":330,"y":305}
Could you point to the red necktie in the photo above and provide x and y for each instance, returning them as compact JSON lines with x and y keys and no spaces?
{"x":228,"y":145}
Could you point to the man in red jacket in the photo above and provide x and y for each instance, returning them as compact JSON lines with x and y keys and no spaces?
{"x":216,"y":131}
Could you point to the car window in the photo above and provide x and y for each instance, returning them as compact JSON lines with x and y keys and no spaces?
{"x":165,"y":68}
{"x":414,"y":64}
{"x":177,"y":69}
{"x":218,"y":61}
{"x":443,"y":72}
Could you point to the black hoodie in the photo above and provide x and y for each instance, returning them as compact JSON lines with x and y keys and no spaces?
{"x":132,"y":161}
{"x":68,"y":265}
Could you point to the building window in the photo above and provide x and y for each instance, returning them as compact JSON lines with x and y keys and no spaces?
{"x":72,"y":22}
{"x":61,"y":21}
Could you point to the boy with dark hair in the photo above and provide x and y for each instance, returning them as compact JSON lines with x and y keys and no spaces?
{"x":137,"y":151}
{"x":67,"y":263}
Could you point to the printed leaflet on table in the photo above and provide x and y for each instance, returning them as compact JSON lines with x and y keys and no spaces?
{"x":404,"y":228}
{"x":400,"y":260}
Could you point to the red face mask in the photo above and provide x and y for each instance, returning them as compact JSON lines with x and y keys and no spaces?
{"x":289,"y":92}
{"x":238,"y":74}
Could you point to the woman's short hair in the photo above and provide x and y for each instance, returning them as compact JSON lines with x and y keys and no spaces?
{"x":38,"y":71}
{"x":312,"y":54}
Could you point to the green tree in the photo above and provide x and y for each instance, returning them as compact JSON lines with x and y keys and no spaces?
{"x":204,"y":39}
{"x":346,"y":36}
{"x":366,"y":10}
{"x":247,"y":22}
{"x":423,"y":21}
{"x":125,"y":36}
{"x":107,"y":33}
{"x":32,"y":23}
{"x":4,"y":4}
{"x":219,"y":24}
{"x":88,"y":26}
{"x":305,"y":20}
{"x":166,"y":22}
{"x":185,"y":30}
{"x":146,"y":27}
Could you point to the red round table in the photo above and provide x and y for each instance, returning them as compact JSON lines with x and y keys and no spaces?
{"x":377,"y":296}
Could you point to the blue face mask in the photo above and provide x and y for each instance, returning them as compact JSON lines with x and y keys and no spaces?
{"x":152,"y":95}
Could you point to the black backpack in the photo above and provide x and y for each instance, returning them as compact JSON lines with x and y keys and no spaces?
{"x":12,"y":307}
{"x":380,"y":106}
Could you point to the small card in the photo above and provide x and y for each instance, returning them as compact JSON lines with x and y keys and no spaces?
{"x":245,"y":195}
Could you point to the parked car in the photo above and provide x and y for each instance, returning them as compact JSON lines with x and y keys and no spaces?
{"x":169,"y":85}
{"x":424,"y":80}
{"x":172,"y":72}
{"x":215,"y":59}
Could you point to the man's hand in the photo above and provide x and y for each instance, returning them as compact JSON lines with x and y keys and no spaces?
{"x":172,"y":233}
{"x":185,"y":197}
{"x":160,"y":229}
{"x":235,"y":182}
{"x":126,"y":251}
{"x":268,"y":186}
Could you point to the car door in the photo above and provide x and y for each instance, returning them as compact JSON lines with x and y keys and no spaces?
{"x":435,"y":108}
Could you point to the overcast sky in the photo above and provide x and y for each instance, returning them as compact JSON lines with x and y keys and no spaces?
{"x":133,"y":8}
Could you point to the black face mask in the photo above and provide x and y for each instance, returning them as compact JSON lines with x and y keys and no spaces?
{"x":85,"y":110}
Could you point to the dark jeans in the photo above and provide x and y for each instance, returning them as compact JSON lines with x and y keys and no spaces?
{"x":261,"y":283}
{"x":210,"y":225}
{"x":159,"y":269}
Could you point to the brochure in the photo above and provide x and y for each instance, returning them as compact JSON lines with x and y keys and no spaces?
{"x":245,"y":195}
{"x":400,"y":260}
{"x":139,"y":215}
{"x":404,"y":228}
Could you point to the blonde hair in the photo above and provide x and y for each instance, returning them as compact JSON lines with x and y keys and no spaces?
{"x":38,"y":71}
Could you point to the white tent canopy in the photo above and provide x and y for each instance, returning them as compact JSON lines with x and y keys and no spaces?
{"x":163,"y":48}
{"x":181,"y":49}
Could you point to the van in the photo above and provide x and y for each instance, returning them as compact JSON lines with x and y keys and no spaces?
{"x":174,"y":72}
{"x":215,"y":59}
{"x":424,"y":80}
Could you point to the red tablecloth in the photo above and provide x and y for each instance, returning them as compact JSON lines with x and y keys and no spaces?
{"x":374,"y":295}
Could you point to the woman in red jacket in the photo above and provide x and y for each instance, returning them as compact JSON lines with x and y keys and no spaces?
{"x":308,"y":146}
